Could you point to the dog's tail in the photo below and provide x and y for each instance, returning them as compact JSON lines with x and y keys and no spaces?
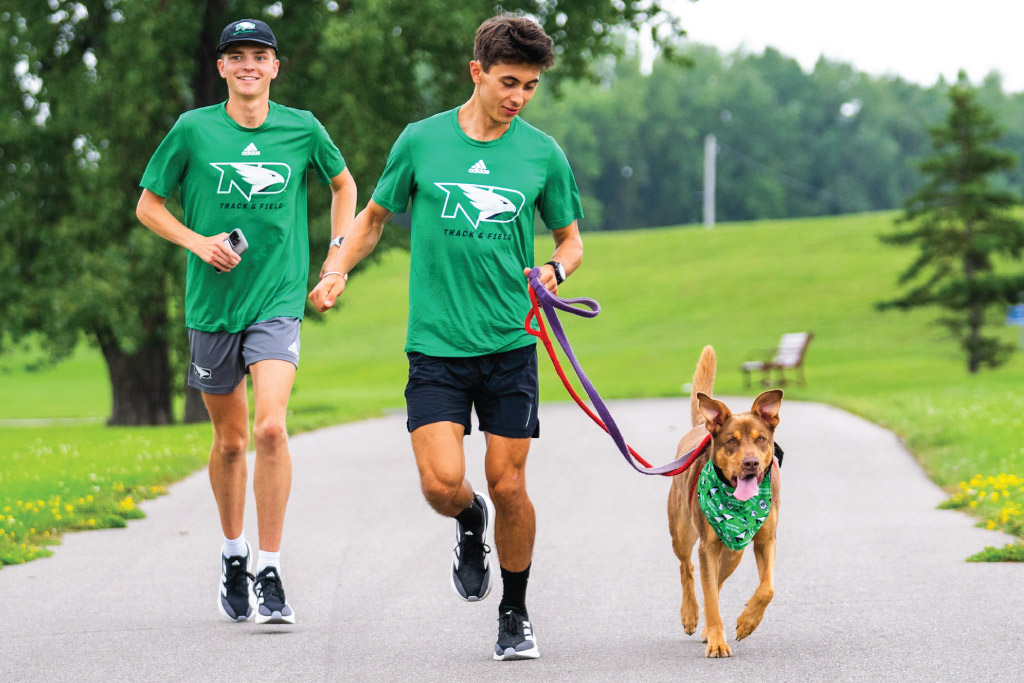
{"x":703,"y":381}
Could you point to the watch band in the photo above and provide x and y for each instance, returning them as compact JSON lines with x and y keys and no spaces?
{"x":336,"y":242}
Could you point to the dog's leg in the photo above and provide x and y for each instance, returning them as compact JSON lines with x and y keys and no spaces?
{"x":764,"y":551}
{"x":710,"y":553}
{"x":683,"y":538}
{"x":730,"y":559}
{"x":684,"y":535}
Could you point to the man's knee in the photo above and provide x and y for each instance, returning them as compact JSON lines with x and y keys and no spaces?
{"x":230,"y":446}
{"x":508,"y":489}
{"x":270,"y":431}
{"x":439,"y":489}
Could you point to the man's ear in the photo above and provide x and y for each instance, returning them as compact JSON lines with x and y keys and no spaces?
{"x":714,"y":412}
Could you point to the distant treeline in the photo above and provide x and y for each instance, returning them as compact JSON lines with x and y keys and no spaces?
{"x":790,"y":143}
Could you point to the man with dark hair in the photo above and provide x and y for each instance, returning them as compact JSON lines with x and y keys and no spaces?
{"x":242,"y":165}
{"x":475,"y":175}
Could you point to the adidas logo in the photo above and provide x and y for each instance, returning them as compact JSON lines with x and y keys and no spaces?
{"x":294,"y":347}
{"x":251,"y":151}
{"x":479,"y":167}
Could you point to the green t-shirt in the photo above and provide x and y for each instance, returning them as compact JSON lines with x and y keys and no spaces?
{"x":473,"y":206}
{"x":254,"y":179}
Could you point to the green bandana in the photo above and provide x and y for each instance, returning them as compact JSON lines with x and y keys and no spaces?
{"x":733,"y":520}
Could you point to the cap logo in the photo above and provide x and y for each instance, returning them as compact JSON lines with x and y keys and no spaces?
{"x":244,"y":26}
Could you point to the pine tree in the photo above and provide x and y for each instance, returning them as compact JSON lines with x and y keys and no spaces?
{"x":962,"y":222}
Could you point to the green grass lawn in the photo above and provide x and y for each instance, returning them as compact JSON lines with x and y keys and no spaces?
{"x":664,"y":293}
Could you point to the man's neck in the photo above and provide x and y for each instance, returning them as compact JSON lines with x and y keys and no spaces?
{"x":248,"y":113}
{"x":475,"y":122}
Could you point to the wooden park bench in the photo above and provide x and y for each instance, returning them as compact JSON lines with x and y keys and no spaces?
{"x":788,"y":356}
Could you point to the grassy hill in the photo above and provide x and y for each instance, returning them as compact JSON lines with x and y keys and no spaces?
{"x":664,"y":293}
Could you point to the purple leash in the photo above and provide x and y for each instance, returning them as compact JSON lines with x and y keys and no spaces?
{"x":544,"y":299}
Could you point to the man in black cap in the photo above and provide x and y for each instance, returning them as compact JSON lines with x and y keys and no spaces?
{"x":241,"y":166}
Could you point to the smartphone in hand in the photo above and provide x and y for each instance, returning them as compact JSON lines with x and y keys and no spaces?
{"x":236,"y":242}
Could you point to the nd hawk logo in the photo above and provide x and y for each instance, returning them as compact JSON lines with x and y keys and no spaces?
{"x":251,"y":179}
{"x":481,"y":203}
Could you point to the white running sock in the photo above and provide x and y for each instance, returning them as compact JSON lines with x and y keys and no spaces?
{"x":268,"y":559}
{"x":233,"y":547}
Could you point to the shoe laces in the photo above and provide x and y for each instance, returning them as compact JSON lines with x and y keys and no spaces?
{"x":269,"y":589}
{"x":509,"y":622}
{"x":236,"y":577}
{"x":472,"y":549}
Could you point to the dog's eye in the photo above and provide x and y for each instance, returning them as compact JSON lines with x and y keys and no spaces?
{"x":761,"y":439}
{"x":732,"y":441}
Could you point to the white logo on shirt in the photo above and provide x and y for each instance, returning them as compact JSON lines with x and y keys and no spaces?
{"x":481,"y":203}
{"x":253,"y":178}
{"x":204,"y":373}
{"x":251,"y":150}
{"x":479,"y":167}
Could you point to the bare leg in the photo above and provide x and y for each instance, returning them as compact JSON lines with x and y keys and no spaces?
{"x":515,"y":522}
{"x":442,"y":466}
{"x":229,"y":414}
{"x":272,"y":382}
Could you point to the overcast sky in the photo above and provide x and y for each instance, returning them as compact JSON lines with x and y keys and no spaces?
{"x":916,"y":39}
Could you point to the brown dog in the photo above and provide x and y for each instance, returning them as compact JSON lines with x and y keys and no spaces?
{"x":741,"y":448}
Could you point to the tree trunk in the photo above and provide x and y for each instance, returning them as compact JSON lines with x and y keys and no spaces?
{"x":141,"y":382}
{"x":206,"y":81}
{"x":195,"y":408}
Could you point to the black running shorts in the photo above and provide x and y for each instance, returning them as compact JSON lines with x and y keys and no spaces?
{"x":501,"y":386}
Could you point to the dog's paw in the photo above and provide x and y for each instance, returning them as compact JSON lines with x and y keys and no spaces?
{"x":689,"y":618}
{"x":718,"y":650}
{"x":746,"y":624}
{"x":745,"y":627}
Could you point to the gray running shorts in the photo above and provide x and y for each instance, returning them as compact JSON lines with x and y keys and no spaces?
{"x":220,"y":360}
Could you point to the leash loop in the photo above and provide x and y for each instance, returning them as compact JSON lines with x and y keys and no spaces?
{"x":541,"y":298}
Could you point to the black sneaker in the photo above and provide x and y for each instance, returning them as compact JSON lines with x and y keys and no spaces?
{"x":272,"y":608}
{"x":471,"y":572}
{"x":235,"y":599}
{"x":515,"y":637}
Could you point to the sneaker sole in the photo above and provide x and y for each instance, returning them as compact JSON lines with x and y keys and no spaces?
{"x":511,"y":655}
{"x":487,"y":525}
{"x":252,"y":596}
{"x":275,"y":618}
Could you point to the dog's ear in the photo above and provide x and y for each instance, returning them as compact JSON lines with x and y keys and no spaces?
{"x":715,"y":412}
{"x":766,"y":407}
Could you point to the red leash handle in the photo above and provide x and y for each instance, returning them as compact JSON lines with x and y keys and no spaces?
{"x":542,"y":334}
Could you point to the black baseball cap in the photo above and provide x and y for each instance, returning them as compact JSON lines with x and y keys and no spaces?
{"x":247,"y":31}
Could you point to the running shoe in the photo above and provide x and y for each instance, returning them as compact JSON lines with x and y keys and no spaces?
{"x":272,"y":607}
{"x":471,"y":572}
{"x":235,"y":599}
{"x":515,"y":637}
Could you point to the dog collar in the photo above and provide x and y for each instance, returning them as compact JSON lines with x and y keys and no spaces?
{"x":735,"y":521}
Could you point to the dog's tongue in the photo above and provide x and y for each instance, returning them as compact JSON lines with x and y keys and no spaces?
{"x":745,"y":488}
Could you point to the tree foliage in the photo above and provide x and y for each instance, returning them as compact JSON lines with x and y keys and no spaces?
{"x":90,"y":87}
{"x":791,"y":143}
{"x":961,"y":224}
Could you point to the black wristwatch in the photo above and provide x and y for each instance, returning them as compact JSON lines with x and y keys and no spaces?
{"x":559,"y":271}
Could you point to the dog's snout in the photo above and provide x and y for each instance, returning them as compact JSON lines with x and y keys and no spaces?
{"x":751,"y":465}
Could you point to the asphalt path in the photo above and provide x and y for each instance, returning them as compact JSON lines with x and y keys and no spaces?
{"x":871,"y":582}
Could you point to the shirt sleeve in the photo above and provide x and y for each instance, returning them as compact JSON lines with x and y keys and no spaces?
{"x":324,"y":156}
{"x":559,"y":201}
{"x":394,"y":189}
{"x":169,"y":162}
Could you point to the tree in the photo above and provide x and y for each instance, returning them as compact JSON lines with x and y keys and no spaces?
{"x":961,"y":225}
{"x":88,"y":88}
